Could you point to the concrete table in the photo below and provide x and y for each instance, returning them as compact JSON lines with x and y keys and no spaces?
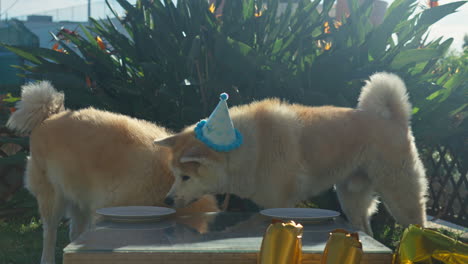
{"x":222,"y":238}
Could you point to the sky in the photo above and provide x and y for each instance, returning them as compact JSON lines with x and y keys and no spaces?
{"x":454,"y":25}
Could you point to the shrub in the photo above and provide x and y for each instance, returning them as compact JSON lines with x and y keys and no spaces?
{"x":173,"y":60}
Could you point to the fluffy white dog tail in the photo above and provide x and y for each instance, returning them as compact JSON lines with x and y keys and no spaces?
{"x":385,"y":94}
{"x":38,"y":101}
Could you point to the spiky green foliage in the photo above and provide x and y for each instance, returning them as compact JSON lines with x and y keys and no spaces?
{"x":173,"y":60}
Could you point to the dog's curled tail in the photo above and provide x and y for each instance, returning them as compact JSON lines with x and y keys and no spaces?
{"x":38,"y":101}
{"x":385,"y":95}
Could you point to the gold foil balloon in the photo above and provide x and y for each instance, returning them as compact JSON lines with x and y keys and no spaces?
{"x":425,"y":246}
{"x":282,"y":244}
{"x":342,"y":248}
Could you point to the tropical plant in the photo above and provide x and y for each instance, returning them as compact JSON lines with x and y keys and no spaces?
{"x":173,"y":60}
{"x":6,"y":108}
{"x":441,"y":112}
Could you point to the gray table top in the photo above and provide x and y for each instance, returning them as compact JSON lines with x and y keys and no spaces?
{"x":225,"y":232}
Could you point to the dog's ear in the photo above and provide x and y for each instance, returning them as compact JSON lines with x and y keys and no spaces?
{"x":197,"y":154}
{"x":166,"y":142}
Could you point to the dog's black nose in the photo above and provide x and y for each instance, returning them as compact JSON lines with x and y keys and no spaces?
{"x":169,"y":201}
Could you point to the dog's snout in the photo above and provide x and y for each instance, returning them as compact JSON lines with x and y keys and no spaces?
{"x":169,"y":201}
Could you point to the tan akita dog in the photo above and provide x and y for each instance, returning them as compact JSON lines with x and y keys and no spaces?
{"x":291,"y":152}
{"x":88,"y":159}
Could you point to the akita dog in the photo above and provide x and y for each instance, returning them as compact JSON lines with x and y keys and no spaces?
{"x":290,"y":152}
{"x":88,"y":159}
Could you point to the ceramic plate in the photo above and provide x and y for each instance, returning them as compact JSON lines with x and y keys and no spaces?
{"x":134,"y":213}
{"x":300,"y":214}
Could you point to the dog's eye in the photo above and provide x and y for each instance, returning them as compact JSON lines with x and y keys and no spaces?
{"x":185,"y":178}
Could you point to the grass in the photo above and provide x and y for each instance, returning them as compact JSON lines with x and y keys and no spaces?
{"x":21,"y":241}
{"x":21,"y":234}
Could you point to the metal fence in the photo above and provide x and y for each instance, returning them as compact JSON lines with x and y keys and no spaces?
{"x":447,"y":171}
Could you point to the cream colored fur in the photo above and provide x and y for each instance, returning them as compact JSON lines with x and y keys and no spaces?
{"x":84,"y":160}
{"x":291,"y":152}
{"x":38,"y":101}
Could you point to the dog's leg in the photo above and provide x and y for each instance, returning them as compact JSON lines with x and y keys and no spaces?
{"x":358,"y":204}
{"x":79,"y":221}
{"x":404,"y":195}
{"x":51,"y":208}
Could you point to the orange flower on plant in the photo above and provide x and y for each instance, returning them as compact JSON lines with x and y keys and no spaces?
{"x":258,"y":13}
{"x":12,"y":110}
{"x":337,"y":24}
{"x":324,"y":45}
{"x":326,"y":28}
{"x":100,"y":43}
{"x":88,"y":81}
{"x":433,"y":3}
{"x":56,"y":48}
{"x":212,"y":8}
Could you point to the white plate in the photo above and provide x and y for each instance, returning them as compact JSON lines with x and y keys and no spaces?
{"x":135,"y":213}
{"x":300,"y":214}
